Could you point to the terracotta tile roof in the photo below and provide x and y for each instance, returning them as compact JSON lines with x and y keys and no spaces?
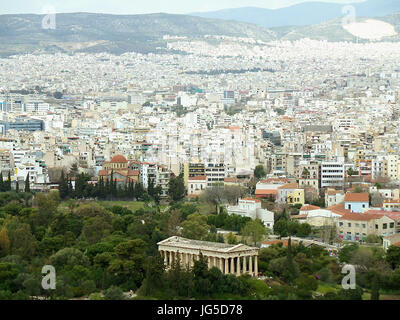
{"x":103,"y":173}
{"x":356,"y":197}
{"x":133,"y":172}
{"x":289,"y":186}
{"x":309,"y":207}
{"x":354,"y":216}
{"x":198,"y":178}
{"x":251,"y":199}
{"x":275,"y":180}
{"x":231,"y":179}
{"x":390,"y":214}
{"x":260,"y":192}
{"x":331,"y":192}
{"x":272,"y":242}
{"x":119,"y":159}
{"x":338,"y":209}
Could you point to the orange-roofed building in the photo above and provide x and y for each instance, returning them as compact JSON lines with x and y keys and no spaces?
{"x":356,"y":202}
{"x":196,"y":185}
{"x":304,"y":210}
{"x":118,"y":168}
{"x":356,"y":226}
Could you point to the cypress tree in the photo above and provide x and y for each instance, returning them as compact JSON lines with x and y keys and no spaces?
{"x":8,"y":183}
{"x":1,"y":182}
{"x":27,"y":184}
{"x":63,"y":186}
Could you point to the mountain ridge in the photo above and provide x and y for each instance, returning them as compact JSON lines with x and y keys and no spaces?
{"x":302,"y":14}
{"x":117,"y":34}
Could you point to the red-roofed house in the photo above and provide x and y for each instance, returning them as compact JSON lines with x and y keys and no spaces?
{"x":356,"y":202}
{"x":356,"y":226}
{"x":307,"y":208}
{"x":269,"y":188}
{"x":196,"y":185}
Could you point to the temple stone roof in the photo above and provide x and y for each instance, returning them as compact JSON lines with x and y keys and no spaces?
{"x":183,"y":243}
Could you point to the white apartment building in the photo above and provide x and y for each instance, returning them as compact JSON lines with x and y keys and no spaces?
{"x":332,"y":174}
{"x":36,"y":106}
{"x":252,"y":208}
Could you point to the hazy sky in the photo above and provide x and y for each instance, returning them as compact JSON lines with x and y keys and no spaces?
{"x":143,"y":6}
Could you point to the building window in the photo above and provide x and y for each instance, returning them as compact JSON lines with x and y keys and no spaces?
{"x":392,"y":225}
{"x":349,"y":225}
{"x":364,"y":226}
{"x":385,"y":226}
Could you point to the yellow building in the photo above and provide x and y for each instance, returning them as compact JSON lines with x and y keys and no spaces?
{"x":191,"y":170}
{"x":296,"y":197}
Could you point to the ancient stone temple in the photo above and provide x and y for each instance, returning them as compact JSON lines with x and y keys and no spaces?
{"x":230,"y":259}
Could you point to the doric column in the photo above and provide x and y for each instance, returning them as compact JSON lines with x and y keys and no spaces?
{"x":238,"y":266}
{"x":182,"y":259}
{"x":221,"y":267}
{"x":169,"y":258}
{"x":244,"y":265}
{"x":165,"y":257}
{"x":209,"y":262}
{"x":232,"y":266}
{"x":251,"y":265}
{"x":256,"y":265}
{"x":226,"y":266}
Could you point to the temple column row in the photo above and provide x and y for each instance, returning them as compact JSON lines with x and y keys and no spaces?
{"x":225,"y":265}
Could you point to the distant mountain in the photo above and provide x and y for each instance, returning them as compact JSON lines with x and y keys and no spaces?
{"x":308,"y":13}
{"x":113,"y":33}
{"x":88,"y":32}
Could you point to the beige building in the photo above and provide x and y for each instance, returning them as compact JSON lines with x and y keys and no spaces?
{"x":357,"y":226}
{"x":230,"y":259}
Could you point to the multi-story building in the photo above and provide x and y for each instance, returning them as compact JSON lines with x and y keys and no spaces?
{"x":196,"y":185}
{"x":332,"y":174}
{"x":357,"y":226}
{"x":251,"y":208}
{"x":215,"y":173}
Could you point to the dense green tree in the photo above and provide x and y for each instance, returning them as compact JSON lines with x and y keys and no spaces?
{"x":176,"y":189}
{"x":195,"y":227}
{"x":393,"y":256}
{"x":255,"y":230}
{"x":4,"y":243}
{"x":259,"y":172}
{"x":63,"y":186}
{"x":114,"y":293}
{"x":27,"y":184}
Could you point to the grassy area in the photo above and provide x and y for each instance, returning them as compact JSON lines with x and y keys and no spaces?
{"x":131,"y":205}
{"x":324,"y":288}
{"x":367,"y":296}
{"x":205,"y":208}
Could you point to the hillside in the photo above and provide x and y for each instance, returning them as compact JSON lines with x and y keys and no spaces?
{"x":303,"y":14}
{"x":112,"y":33}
